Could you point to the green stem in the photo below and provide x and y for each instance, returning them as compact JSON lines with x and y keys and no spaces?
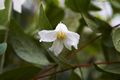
{"x":6,"y":36}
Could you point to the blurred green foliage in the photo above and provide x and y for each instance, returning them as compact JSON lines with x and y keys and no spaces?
{"x":27,"y":59}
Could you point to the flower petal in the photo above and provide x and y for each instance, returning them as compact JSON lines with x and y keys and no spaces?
{"x":47,"y":35}
{"x":2,"y":6}
{"x":71,"y":40}
{"x":57,"y":47}
{"x":17,"y":5}
{"x":61,"y":27}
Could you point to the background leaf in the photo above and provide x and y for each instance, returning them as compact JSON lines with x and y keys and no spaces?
{"x":22,"y":73}
{"x":40,"y":21}
{"x":78,"y":5}
{"x":3,"y":47}
{"x":116,"y":38}
{"x":25,"y":46}
{"x":6,"y":13}
{"x":111,"y":68}
{"x":54,"y":13}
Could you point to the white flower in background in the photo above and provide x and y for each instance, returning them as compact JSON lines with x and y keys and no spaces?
{"x":2,"y":6}
{"x":106,"y":10}
{"x":115,"y":20}
{"x":17,"y":5}
{"x":60,"y":37}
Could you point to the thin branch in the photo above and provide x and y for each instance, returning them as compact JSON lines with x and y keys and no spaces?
{"x":83,"y":46}
{"x":73,"y":67}
{"x":45,"y":71}
{"x":69,"y":57}
{"x":116,"y":26}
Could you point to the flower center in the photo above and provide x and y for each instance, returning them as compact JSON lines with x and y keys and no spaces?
{"x":61,"y":35}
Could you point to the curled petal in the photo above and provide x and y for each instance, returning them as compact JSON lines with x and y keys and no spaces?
{"x":61,"y":27}
{"x":47,"y":36}
{"x":71,"y":40}
{"x":2,"y":6}
{"x":57,"y":47}
{"x":17,"y":5}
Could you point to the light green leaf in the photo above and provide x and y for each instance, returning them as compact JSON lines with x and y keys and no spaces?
{"x":110,"y":68}
{"x":3,"y":47}
{"x":116,"y":38}
{"x":25,"y":46}
{"x":75,"y":75}
{"x":78,"y":72}
{"x":6,"y":13}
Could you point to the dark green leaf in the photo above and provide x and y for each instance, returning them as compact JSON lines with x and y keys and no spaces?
{"x":106,"y":76}
{"x":40,"y":21}
{"x":115,"y":5}
{"x":54,"y":13}
{"x":3,"y":47}
{"x":43,"y":20}
{"x":23,"y":73}
{"x":92,"y":7}
{"x":25,"y":46}
{"x":78,"y":5}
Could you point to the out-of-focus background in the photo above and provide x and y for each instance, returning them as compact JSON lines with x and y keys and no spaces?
{"x":98,"y":55}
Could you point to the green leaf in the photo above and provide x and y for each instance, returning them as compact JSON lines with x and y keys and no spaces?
{"x":110,"y":68}
{"x":2,"y":33}
{"x":6,"y":13}
{"x":25,"y":46}
{"x":77,"y":71}
{"x":54,"y":13}
{"x":93,"y":7}
{"x":3,"y":47}
{"x":22,"y":73}
{"x":78,"y":5}
{"x":97,"y":24}
{"x":40,"y":21}
{"x":116,"y":38}
{"x":106,"y":76}
{"x":43,"y":20}
{"x":75,"y":75}
{"x":115,"y":5}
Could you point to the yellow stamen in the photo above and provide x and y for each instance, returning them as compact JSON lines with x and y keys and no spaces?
{"x":61,"y":35}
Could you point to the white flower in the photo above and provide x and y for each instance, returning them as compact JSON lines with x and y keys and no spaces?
{"x":17,"y":5}
{"x":2,"y":6}
{"x":106,"y":10}
{"x":60,"y":37}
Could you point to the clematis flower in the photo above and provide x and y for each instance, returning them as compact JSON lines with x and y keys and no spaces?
{"x":17,"y":5}
{"x":60,"y":37}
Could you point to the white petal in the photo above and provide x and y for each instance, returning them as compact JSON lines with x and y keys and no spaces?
{"x":17,"y":5}
{"x":71,"y":40}
{"x":2,"y":6}
{"x":57,"y":47}
{"x":61,"y":27}
{"x":47,"y":35}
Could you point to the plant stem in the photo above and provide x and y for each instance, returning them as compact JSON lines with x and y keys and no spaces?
{"x":74,"y":66}
{"x":6,"y":36}
{"x":83,"y":46}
